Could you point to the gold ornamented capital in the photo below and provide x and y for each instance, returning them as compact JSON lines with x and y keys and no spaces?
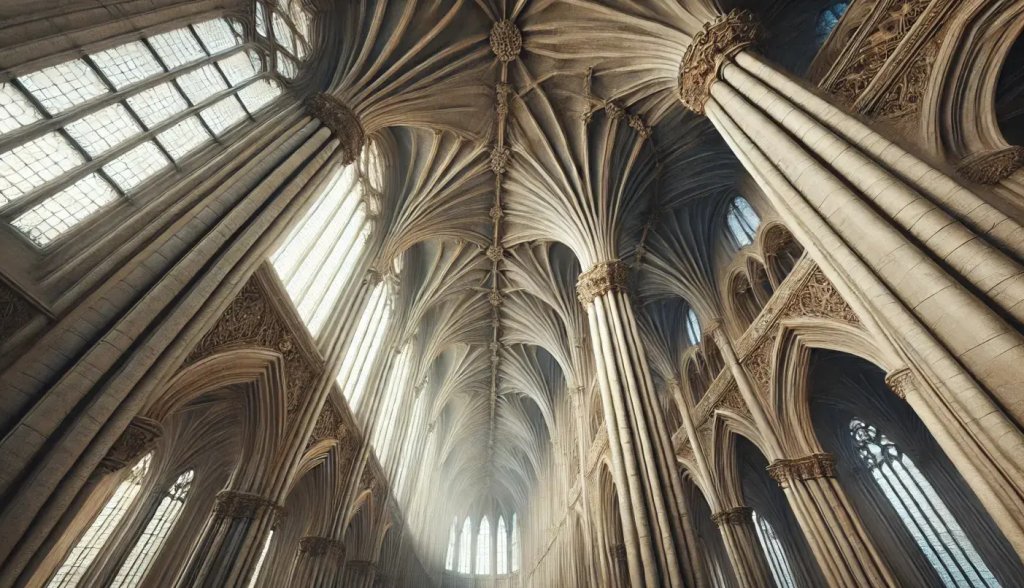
{"x":718,"y":41}
{"x":322,"y":546}
{"x":140,"y":435}
{"x":341,"y":120}
{"x":604,"y":277}
{"x":992,"y":167}
{"x":739,"y":515}
{"x":242,"y":505}
{"x":811,"y":467}
{"x":506,"y":40}
{"x":900,"y":382}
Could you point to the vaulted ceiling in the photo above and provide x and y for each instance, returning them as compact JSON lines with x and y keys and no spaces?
{"x":510,"y":162}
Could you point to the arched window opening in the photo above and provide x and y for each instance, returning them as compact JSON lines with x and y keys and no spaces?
{"x":261,"y":560}
{"x":483,"y":548}
{"x":925,"y":515}
{"x":413,"y":442}
{"x":82,"y":134}
{"x":742,"y":221}
{"x":155,"y":534}
{"x":692,"y":327}
{"x":288,"y":28}
{"x":466,"y":548}
{"x":384,"y":433}
{"x":502,"y":547}
{"x":515,"y":543}
{"x":365,"y":346}
{"x":449,"y":558}
{"x":773,"y":552}
{"x":827,"y":21}
{"x":96,"y":536}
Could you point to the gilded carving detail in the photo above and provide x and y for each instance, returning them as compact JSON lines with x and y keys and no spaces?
{"x":604,"y":277}
{"x":251,"y":320}
{"x":341,"y":120}
{"x":811,"y":467}
{"x":992,"y":167}
{"x":710,"y":49}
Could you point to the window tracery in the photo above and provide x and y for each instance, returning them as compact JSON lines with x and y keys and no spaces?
{"x":692,"y":327}
{"x":81,"y":556}
{"x":778,"y":563}
{"x":286,"y":23}
{"x":82,"y":134}
{"x":922,"y":511}
{"x":742,"y":221}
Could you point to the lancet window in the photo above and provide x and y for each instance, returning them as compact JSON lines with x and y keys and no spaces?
{"x":502,"y":547}
{"x":515,"y":543}
{"x":742,"y":221}
{"x":365,"y":346}
{"x":155,"y":534}
{"x":692,"y":327}
{"x":483,"y":547}
{"x":465,"y":548}
{"x":287,"y":24}
{"x":449,"y":558}
{"x":384,"y":433}
{"x":924,"y":514}
{"x":778,"y":563}
{"x":99,"y":532}
{"x":82,"y":134}
{"x":413,"y":441}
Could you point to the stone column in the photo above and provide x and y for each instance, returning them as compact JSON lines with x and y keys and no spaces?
{"x":846,"y":554}
{"x":577,"y":399}
{"x":319,"y":562}
{"x":230,"y":544}
{"x":642,"y":457}
{"x":906,"y":245}
{"x":745,"y":552}
{"x":359,"y":574}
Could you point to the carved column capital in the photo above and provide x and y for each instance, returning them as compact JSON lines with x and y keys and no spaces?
{"x":322,"y":546}
{"x":341,"y":120}
{"x":718,"y":41}
{"x":992,"y":167}
{"x":739,"y":515}
{"x":900,"y":382}
{"x":140,"y":435}
{"x":241,"y":505}
{"x":810,"y":467}
{"x":604,"y":277}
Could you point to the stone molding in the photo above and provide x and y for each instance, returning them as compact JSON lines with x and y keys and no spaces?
{"x":604,"y":277}
{"x":900,"y":382}
{"x":810,"y":467}
{"x":241,"y":505}
{"x":321,"y":546}
{"x":739,"y":515}
{"x":506,"y":40}
{"x":341,"y":120}
{"x":329,"y":425}
{"x":716,"y":43}
{"x":15,"y":311}
{"x":140,"y":435}
{"x":992,"y":167}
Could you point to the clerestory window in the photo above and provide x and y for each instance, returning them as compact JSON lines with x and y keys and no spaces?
{"x":778,"y":563}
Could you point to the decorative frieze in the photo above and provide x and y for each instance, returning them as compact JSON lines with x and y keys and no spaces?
{"x":506,"y":40}
{"x":341,"y":120}
{"x":604,"y":277}
{"x":138,"y":438}
{"x":901,"y":382}
{"x":322,"y":546}
{"x":241,"y":505}
{"x":329,"y":425}
{"x":717,"y":42}
{"x":907,"y":92}
{"x":811,"y":467}
{"x":992,"y":167}
{"x":739,"y":515}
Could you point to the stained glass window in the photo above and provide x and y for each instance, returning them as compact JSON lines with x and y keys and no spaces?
{"x":742,"y":221}
{"x":289,"y":28}
{"x":922,"y":511}
{"x":828,"y":19}
{"x":96,"y":536}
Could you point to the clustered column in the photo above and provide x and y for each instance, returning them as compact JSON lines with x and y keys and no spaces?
{"x":737,"y":527}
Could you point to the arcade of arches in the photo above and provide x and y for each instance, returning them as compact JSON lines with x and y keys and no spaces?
{"x":495,"y":293}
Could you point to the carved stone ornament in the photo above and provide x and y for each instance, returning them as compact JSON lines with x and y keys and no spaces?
{"x":685,"y":450}
{"x":495,"y":298}
{"x":819,"y":298}
{"x":637,"y":123}
{"x":499,"y":159}
{"x":129,"y":447}
{"x":717,"y":42}
{"x":992,"y":167}
{"x":739,"y":515}
{"x":811,"y":467}
{"x":329,"y":425}
{"x":900,"y":382}
{"x":251,"y":320}
{"x":614,"y":110}
{"x":604,"y":277}
{"x":241,"y":505}
{"x":495,"y":252}
{"x":15,"y":311}
{"x":496,"y":212}
{"x":501,"y":92}
{"x":506,"y":40}
{"x":321,"y":546}
{"x":341,"y":120}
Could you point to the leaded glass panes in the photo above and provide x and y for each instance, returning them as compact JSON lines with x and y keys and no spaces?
{"x":285,"y":66}
{"x":95,"y":537}
{"x":183,"y":137}
{"x":127,"y":64}
{"x":223,"y":114}
{"x":261,"y":19}
{"x":51,"y":217}
{"x":177,"y":48}
{"x":30,"y":165}
{"x":200,"y":84}
{"x":64,"y":85}
{"x":157,"y":104}
{"x":217,"y":35}
{"x":155,"y":534}
{"x":283,"y":33}
{"x":103,"y":130}
{"x":136,"y":166}
{"x":15,"y":110}
{"x":240,"y":66}
{"x":258,"y":94}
